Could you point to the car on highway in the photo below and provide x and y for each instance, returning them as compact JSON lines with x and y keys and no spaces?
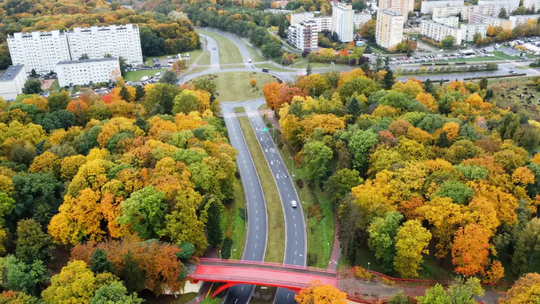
{"x":294,"y":204}
{"x":266,"y":70}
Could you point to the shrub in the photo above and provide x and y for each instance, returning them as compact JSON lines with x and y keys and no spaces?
{"x":300,"y":183}
{"x":227,"y":248}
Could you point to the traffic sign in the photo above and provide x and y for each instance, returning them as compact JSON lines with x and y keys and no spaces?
{"x":264,"y":129}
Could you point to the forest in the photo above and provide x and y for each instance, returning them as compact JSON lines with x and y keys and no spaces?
{"x":133,"y":183}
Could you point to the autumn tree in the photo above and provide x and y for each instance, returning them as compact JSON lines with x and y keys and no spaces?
{"x":470,"y":250}
{"x":253,"y":82}
{"x":144,"y":212}
{"x":524,"y":291}
{"x":321,"y":294}
{"x":411,"y":243}
{"x":382,"y":234}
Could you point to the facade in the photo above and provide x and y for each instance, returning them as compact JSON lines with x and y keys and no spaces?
{"x":530,"y":3}
{"x":117,"y":41}
{"x":304,"y":36}
{"x":438,"y":31}
{"x":300,"y":17}
{"x":513,"y":3}
{"x":486,"y":9}
{"x":447,"y":11}
{"x":469,"y":30}
{"x":490,"y":20}
{"x":84,"y":72}
{"x":389,"y":30}
{"x":343,"y":21}
{"x":450,"y":21}
{"x":12,"y":82}
{"x":360,"y":19}
{"x":324,"y":23}
{"x":428,"y":6}
{"x":40,"y":51}
{"x":522,"y":19}
{"x":402,"y":6}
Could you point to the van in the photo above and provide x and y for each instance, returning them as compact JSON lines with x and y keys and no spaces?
{"x":144,"y":78}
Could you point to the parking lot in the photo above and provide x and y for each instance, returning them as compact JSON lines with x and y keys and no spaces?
{"x":441,"y":57}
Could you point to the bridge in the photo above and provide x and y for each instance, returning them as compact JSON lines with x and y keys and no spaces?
{"x":234,"y":272}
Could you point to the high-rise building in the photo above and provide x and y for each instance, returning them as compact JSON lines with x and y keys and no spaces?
{"x":402,"y":6}
{"x":438,"y":31}
{"x":447,"y":11}
{"x":39,"y":51}
{"x":522,"y":19}
{"x":300,"y":17}
{"x":118,"y":41}
{"x":304,"y":36}
{"x":85,"y":72}
{"x":530,"y":3}
{"x":360,"y":19}
{"x":490,"y":20}
{"x":450,"y":21}
{"x":389,"y":30}
{"x":12,"y":82}
{"x":428,"y":6}
{"x":342,"y":21}
{"x":324,"y":23}
{"x":468,"y":31}
{"x":513,"y":3}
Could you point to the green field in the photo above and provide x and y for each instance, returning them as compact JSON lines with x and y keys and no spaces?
{"x":228,"y":52}
{"x":239,"y":110}
{"x":276,"y":226}
{"x":55,"y":87}
{"x":137,"y":75}
{"x":235,"y":86}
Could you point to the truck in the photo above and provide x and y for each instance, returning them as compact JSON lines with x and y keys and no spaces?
{"x":144,"y":78}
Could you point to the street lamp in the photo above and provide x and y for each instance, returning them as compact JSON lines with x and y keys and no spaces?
{"x":292,"y":166}
{"x":368,"y":266}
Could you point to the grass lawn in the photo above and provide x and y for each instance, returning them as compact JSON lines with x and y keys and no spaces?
{"x":228,"y":52}
{"x":502,"y":55}
{"x":263,"y":107}
{"x":276,"y":226}
{"x":137,"y":75}
{"x":216,"y":300}
{"x":239,"y":110}
{"x":150,"y":298}
{"x":196,"y":70}
{"x":255,"y":57}
{"x":234,"y":86}
{"x":233,"y":223}
{"x":55,"y":87}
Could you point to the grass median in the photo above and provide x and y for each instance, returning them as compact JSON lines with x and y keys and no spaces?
{"x":228,"y":51}
{"x":233,"y":221}
{"x":276,"y":226}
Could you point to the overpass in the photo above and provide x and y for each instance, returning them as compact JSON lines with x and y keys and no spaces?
{"x":234,"y":272}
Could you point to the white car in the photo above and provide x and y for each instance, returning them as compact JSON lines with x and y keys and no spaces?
{"x":293,"y":204}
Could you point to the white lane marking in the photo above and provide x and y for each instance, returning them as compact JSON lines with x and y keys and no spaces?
{"x":242,"y":288}
{"x":293,"y":217}
{"x":255,"y":245}
{"x":288,"y":195}
{"x":235,"y":301}
{"x":256,"y":236}
{"x":257,"y":227}
{"x":254,"y":255}
{"x":294,"y":262}
{"x":295,"y":252}
{"x":257,"y":211}
{"x":294,"y":225}
{"x":296,"y":242}
{"x":295,"y":234}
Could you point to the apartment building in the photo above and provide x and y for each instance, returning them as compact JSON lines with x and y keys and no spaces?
{"x":323,"y":23}
{"x":117,"y":41}
{"x":512,"y":3}
{"x":490,"y":20}
{"x":450,"y":21}
{"x":522,"y":19}
{"x":389,"y":30}
{"x":469,"y":30}
{"x":447,"y":11}
{"x":438,"y":31}
{"x":85,"y":72}
{"x":402,"y":6}
{"x":360,"y":19}
{"x":39,"y":51}
{"x":342,"y":21}
{"x":530,"y":3}
{"x":428,"y":6}
{"x":300,"y":17}
{"x":304,"y":36}
{"x":12,"y":82}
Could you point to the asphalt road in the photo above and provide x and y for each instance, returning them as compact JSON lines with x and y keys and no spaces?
{"x":257,"y":225}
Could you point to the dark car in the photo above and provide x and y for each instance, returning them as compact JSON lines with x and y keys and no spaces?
{"x":265,"y":70}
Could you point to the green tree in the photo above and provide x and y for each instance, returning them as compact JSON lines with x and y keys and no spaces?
{"x":448,"y":42}
{"x":411,"y":242}
{"x":213,"y":224}
{"x":205,"y":84}
{"x":115,"y":293}
{"x":187,"y":251}
{"x":527,"y":246}
{"x":84,"y":57}
{"x":32,"y":243}
{"x":382,"y":234}
{"x":388,"y":79}
{"x":226,"y":249}
{"x":428,"y":86}
{"x":133,"y":277}
{"x":58,"y":101}
{"x":144,"y":211}
{"x":359,"y":144}
{"x":509,"y":126}
{"x":434,"y":295}
{"x":483,"y":83}
{"x":139,"y":92}
{"x":170,"y":78}
{"x":308,"y":69}
{"x":123,"y":65}
{"x":318,"y":157}
{"x":271,"y":50}
{"x":19,"y":276}
{"x":460,"y":292}
{"x":503,"y":14}
{"x":99,"y":262}
{"x":458,"y":192}
{"x":400,"y":298}
{"x":185,"y":102}
{"x":340,"y":184}
{"x":353,"y":107}
{"x":160,"y":100}
{"x":124,"y":94}
{"x":32,"y":86}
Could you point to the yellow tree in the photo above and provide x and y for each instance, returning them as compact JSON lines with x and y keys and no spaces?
{"x":525,"y":291}
{"x":253,"y":82}
{"x":317,"y":293}
{"x":411,"y":242}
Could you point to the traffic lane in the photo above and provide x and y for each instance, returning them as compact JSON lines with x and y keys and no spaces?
{"x":212,"y":47}
{"x":241,"y":46}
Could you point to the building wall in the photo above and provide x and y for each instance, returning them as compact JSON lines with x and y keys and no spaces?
{"x":300,"y":17}
{"x":342,"y":22}
{"x":389,"y":30}
{"x":513,"y":3}
{"x":324,"y":23}
{"x":402,"y":6}
{"x":38,"y":50}
{"x":447,"y":11}
{"x":360,"y":19}
{"x":489,"y":20}
{"x":82,"y":72}
{"x":10,"y":89}
{"x":427,"y":6}
{"x":469,"y":30}
{"x":450,"y":21}
{"x":304,"y":36}
{"x":438,"y":31}
{"x":530,"y":3}
{"x":522,"y":19}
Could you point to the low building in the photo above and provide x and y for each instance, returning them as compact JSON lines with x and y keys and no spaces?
{"x":304,"y":36}
{"x":450,"y":21}
{"x":468,"y":31}
{"x":428,"y":6}
{"x":86,"y":72}
{"x":12,"y":82}
{"x":300,"y":17}
{"x":324,"y":23}
{"x":360,"y":19}
{"x":389,"y":29}
{"x":475,"y":18}
{"x":438,"y":31}
{"x":522,"y":19}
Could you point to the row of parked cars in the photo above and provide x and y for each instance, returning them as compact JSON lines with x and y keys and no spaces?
{"x":440,"y":57}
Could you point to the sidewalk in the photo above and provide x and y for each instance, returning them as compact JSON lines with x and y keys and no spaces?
{"x":336,"y":251}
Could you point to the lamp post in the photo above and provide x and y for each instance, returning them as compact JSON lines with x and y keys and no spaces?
{"x":368,"y":266}
{"x":292,"y":166}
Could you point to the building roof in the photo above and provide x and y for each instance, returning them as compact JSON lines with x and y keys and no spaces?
{"x":391,"y":12}
{"x":86,"y":61}
{"x":11,"y":72}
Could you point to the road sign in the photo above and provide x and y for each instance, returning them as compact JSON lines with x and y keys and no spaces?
{"x":264,"y":129}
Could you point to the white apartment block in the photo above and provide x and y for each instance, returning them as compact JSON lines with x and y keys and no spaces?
{"x":117,"y":41}
{"x":428,"y":6}
{"x":389,"y":30}
{"x":530,"y":3}
{"x":438,"y":31}
{"x":402,"y":6}
{"x":84,"y":72}
{"x":450,"y":21}
{"x":323,"y":23}
{"x":12,"y":82}
{"x":301,"y":17}
{"x":343,"y":21}
{"x":40,"y":51}
{"x":513,"y":3}
{"x":490,"y":20}
{"x":304,"y":36}
{"x":447,"y":11}
{"x":522,"y":19}
{"x":360,"y":19}
{"x":469,"y":30}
